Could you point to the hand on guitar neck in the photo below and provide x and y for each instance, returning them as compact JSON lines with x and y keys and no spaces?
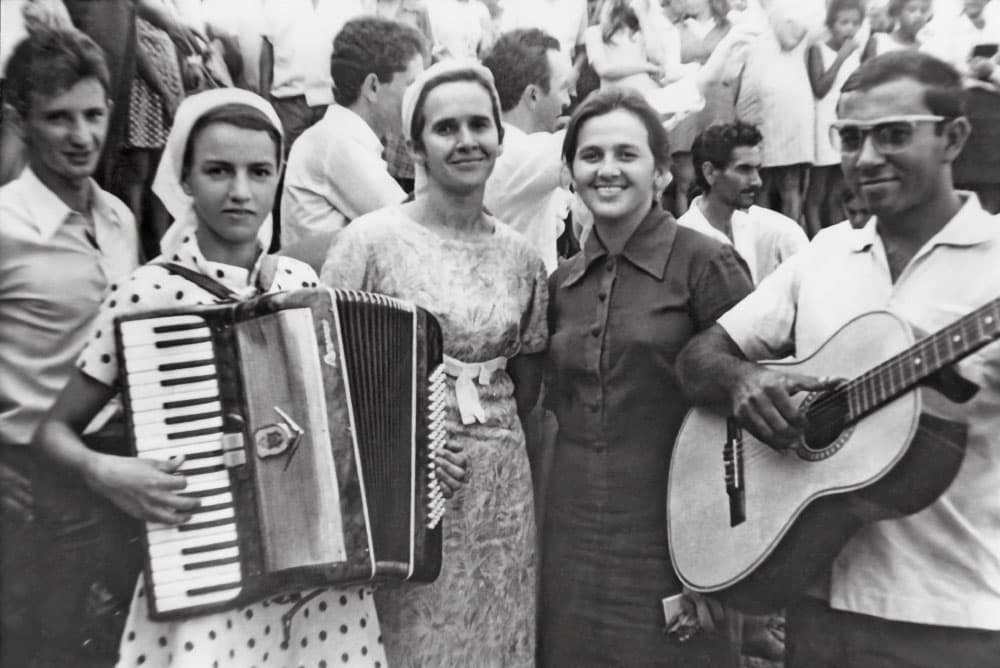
{"x":761,"y":400}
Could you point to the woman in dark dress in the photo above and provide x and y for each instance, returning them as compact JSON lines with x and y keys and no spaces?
{"x":619,"y":313}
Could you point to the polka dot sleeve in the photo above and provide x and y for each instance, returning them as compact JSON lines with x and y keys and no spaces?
{"x":293,"y":274}
{"x":148,"y":288}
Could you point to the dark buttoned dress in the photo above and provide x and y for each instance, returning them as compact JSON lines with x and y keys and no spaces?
{"x":617,"y":323}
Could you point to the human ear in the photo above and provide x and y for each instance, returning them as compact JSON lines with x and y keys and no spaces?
{"x":956,"y":134}
{"x":369,"y":87}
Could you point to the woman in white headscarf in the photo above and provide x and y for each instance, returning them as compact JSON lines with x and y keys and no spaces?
{"x":217,"y":179}
{"x":487,"y":287}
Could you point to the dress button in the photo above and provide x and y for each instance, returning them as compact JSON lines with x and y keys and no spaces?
{"x":602,"y":296}
{"x":610,"y":266}
{"x":596,"y":331}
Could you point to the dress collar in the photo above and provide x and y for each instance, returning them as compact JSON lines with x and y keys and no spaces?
{"x":188,"y":254}
{"x":648,"y":248}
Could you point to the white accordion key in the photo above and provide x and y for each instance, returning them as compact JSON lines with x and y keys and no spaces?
{"x":198,"y":351}
{"x":168,"y":603}
{"x":187,"y":398}
{"x":176,"y":415}
{"x":182,"y":376}
{"x":167,"y":393}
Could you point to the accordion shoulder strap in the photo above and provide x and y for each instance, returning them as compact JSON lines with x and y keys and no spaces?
{"x":206,"y":283}
{"x":265,"y":278}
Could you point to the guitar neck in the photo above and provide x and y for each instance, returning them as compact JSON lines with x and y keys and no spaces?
{"x":903,"y":372}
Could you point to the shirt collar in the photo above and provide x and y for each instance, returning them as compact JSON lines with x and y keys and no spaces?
{"x":648,"y":248}
{"x":47,"y":212}
{"x":349,"y":124}
{"x":971,"y":226}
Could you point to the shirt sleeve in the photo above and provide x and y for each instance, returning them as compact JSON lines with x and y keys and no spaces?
{"x":347,"y":262}
{"x":534,"y":322}
{"x":763,"y":324}
{"x":146,"y":289}
{"x":293,"y":275}
{"x":722,"y":282}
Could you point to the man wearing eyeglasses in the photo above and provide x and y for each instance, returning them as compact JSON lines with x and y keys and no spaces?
{"x":921,"y":590}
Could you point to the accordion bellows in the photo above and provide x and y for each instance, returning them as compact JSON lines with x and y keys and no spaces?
{"x":309,"y":422}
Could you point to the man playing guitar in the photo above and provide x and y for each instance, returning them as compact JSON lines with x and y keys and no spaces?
{"x":921,"y":590}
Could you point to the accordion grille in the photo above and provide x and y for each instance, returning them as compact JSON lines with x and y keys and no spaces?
{"x":380,"y":359}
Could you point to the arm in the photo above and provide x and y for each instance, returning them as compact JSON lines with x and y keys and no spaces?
{"x":713,"y":371}
{"x":144,"y":488}
{"x":822,"y":80}
{"x":526,"y":373}
{"x":266,"y":67}
{"x":184,"y":36}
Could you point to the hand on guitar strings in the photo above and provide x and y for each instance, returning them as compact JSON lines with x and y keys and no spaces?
{"x":762,"y":403}
{"x":146,"y":489}
{"x":452,"y":468}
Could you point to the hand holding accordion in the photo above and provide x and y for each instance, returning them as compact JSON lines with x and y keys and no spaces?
{"x":311,"y":425}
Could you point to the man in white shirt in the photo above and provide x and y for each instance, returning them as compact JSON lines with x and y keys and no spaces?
{"x":335,"y":170}
{"x":526,"y":188}
{"x":295,"y":58}
{"x":922,"y":590}
{"x":727,"y":164}
{"x":63,"y":240}
{"x":566,"y":20}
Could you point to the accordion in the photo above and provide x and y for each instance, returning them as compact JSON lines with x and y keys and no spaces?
{"x":309,"y":422}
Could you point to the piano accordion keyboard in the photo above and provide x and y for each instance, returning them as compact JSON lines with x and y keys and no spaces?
{"x":172,"y":385}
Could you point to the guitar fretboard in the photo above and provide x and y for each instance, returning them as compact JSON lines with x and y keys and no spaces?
{"x":904,"y":371}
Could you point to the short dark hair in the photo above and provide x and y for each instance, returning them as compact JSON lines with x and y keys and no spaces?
{"x":606,"y":100}
{"x":943,"y":92}
{"x":371,"y":45}
{"x":895,"y":7}
{"x":50,"y":61}
{"x":240,"y":115}
{"x":517,"y":60}
{"x":716,"y":145}
{"x":420,"y":119}
{"x":838,"y":6}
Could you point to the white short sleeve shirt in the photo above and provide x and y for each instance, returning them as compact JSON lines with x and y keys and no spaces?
{"x":940,"y":566}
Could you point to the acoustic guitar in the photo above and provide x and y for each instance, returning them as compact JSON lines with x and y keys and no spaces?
{"x":754,"y":526}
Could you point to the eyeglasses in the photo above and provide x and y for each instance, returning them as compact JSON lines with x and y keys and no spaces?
{"x":889,"y":135}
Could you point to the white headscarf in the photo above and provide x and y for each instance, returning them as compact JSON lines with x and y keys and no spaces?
{"x":167,"y":183}
{"x":430,"y":76}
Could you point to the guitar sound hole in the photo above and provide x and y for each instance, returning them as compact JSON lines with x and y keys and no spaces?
{"x":826,"y":417}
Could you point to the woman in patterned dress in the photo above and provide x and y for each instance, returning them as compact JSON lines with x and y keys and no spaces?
{"x":486,"y":285}
{"x":218,"y":179}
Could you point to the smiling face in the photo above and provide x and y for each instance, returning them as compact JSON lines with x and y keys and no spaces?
{"x":232,"y":177}
{"x":613,"y":167}
{"x":460,"y":138}
{"x":65,"y":133}
{"x":893,"y":184}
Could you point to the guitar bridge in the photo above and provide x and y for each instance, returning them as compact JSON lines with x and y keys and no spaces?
{"x":732,"y":457}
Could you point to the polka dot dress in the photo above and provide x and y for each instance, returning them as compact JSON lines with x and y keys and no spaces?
{"x":327,"y":627}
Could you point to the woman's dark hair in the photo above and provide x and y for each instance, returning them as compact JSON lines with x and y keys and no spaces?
{"x":239,"y":115}
{"x":50,"y":61}
{"x":620,"y":15}
{"x":838,"y":6}
{"x":603,"y":102}
{"x":420,"y":119}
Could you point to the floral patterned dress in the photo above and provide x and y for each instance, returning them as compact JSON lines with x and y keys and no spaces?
{"x":490,"y":296}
